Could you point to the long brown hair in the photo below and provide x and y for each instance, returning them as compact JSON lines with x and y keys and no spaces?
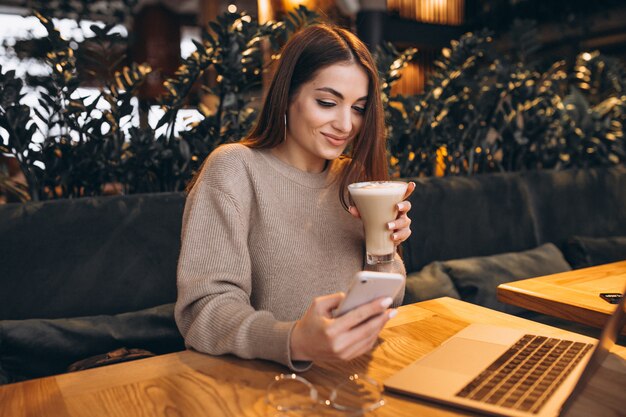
{"x":303,"y":56}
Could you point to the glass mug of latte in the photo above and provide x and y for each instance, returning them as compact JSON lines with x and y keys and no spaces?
{"x":376,"y":201}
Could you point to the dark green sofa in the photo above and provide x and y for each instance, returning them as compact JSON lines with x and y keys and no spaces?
{"x":86,"y":276}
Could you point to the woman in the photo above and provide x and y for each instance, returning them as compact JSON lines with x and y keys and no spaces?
{"x":267,"y":242}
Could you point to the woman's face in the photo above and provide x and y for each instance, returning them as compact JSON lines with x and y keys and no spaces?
{"x":324,"y":116}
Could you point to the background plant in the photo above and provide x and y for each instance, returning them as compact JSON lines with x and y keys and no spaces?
{"x":233,"y":49}
{"x":93,"y":143}
{"x":19,"y":128}
{"x":484,"y":111}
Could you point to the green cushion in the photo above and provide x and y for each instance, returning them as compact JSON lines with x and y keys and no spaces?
{"x":34,"y":348}
{"x":430,"y":282}
{"x":476,"y":279}
{"x":583,"y":251}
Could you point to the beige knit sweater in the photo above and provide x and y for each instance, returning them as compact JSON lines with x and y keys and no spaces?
{"x":260,"y":240}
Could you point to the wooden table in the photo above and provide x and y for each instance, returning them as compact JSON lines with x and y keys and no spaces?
{"x":191,"y":384}
{"x":572,"y":295}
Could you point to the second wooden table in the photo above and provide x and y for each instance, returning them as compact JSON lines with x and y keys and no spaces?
{"x":572,"y":295}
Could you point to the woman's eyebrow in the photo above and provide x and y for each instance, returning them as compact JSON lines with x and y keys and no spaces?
{"x":336,"y":93}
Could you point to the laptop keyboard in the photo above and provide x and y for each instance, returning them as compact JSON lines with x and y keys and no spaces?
{"x":527,"y":374}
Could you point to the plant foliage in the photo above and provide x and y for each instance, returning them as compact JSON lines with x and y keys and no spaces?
{"x":483,"y":111}
{"x":91,"y":144}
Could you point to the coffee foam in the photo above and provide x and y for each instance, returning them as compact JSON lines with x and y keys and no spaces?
{"x":378,"y":187}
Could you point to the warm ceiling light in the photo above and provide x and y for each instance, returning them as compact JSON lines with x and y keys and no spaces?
{"x":446,"y":12}
{"x":296,"y":3}
{"x":586,"y":56}
{"x":265,"y":11}
{"x":232,"y":8}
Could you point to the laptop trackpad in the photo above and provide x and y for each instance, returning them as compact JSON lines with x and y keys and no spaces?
{"x":464,"y":356}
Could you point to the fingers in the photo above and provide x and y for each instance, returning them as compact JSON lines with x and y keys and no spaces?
{"x":400,"y":236}
{"x":318,"y":336}
{"x":359,"y":348}
{"x":402,"y":222}
{"x":403,"y":207}
{"x":362,"y":338}
{"x":409,"y":190}
{"x":401,"y":226}
{"x":361,"y":314}
{"x":354,"y":211}
{"x":315,"y":325}
{"x":325,"y":304}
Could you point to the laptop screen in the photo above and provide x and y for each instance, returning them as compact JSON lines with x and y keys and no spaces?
{"x":609,"y":335}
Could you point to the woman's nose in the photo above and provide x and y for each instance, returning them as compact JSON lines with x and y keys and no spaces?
{"x":343,"y":121}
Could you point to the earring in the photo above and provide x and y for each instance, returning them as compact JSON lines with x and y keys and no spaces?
{"x":285,"y":137}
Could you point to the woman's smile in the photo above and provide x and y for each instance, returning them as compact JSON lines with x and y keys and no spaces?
{"x":336,"y":140}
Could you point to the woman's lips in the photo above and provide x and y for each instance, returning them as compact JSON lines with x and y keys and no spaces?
{"x":335,"y":140}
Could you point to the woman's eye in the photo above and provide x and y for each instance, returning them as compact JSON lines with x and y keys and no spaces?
{"x":359,"y":109}
{"x":325,"y":103}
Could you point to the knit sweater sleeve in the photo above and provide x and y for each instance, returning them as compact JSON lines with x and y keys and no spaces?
{"x":213,"y":310}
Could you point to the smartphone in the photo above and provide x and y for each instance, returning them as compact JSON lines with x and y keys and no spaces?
{"x":611,"y":297}
{"x":366,"y":286}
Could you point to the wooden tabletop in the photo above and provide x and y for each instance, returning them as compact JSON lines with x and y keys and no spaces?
{"x":191,"y":384}
{"x":572,"y":295}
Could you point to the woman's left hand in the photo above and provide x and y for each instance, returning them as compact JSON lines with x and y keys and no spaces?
{"x":401,"y":226}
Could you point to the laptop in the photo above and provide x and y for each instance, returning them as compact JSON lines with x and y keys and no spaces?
{"x":508,"y":372}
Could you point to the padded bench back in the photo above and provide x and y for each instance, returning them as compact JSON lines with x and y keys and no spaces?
{"x":577,"y":203}
{"x":460,"y":217}
{"x":109,"y":255}
{"x":89,"y":256}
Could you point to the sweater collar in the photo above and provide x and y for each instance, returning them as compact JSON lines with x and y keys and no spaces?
{"x":307,"y":179}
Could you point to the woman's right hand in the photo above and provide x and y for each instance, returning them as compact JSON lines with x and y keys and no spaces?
{"x":317,"y":336}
